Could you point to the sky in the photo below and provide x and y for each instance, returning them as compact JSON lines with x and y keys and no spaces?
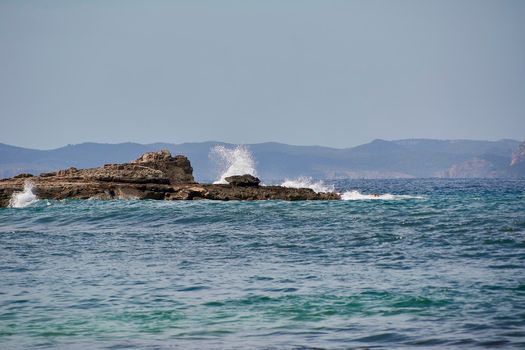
{"x":331,"y":73}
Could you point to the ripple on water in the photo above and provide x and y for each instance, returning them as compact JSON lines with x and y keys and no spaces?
{"x":443,"y":272}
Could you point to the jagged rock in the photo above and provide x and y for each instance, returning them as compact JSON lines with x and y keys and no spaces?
{"x":154,"y":175}
{"x":178,"y":169}
{"x":49,"y":174}
{"x":23,"y":176}
{"x":245,"y":180}
{"x":188,"y":193}
{"x":228,"y":192}
{"x":131,"y":173}
{"x":67,"y":172}
{"x":154,"y":157}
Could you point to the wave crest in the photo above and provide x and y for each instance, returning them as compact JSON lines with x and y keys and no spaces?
{"x":308,"y":182}
{"x":24,"y":198}
{"x":233,"y":161}
{"x":356,"y":195}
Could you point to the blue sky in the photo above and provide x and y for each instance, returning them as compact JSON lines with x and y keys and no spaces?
{"x":334,"y":73}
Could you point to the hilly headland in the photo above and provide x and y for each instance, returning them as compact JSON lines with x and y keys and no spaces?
{"x":379,"y":159}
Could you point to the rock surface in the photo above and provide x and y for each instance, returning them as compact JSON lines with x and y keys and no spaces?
{"x":154,"y":175}
{"x":177,"y":169}
{"x":245,"y":180}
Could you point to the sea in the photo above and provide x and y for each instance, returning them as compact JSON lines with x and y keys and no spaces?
{"x":398,"y":264}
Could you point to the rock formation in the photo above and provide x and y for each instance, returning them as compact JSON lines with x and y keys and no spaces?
{"x":154,"y":175}
{"x":246,"y":180}
{"x":177,"y":169}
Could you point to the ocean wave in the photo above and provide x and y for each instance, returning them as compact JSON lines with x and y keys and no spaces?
{"x":356,"y":195}
{"x":234,"y":161}
{"x":24,"y":198}
{"x":308,"y":182}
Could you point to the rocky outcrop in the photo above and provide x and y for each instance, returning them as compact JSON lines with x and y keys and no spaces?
{"x":23,"y":176}
{"x":154,"y":175}
{"x":246,"y":180}
{"x":153,"y":167}
{"x":177,"y":169}
{"x":231,"y":192}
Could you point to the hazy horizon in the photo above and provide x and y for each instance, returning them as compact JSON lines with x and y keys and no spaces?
{"x":336,"y":74}
{"x":263,"y":142}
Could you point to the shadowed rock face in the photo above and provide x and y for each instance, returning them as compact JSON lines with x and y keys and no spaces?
{"x":154,"y":175}
{"x":177,"y":169}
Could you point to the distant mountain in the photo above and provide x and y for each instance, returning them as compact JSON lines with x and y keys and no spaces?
{"x":377,"y":159}
{"x":15,"y":160}
{"x":517,"y":164}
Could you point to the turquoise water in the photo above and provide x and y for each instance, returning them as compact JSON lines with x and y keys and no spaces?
{"x":446,"y":270}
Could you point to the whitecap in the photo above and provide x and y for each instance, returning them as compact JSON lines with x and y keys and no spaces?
{"x":24,"y":198}
{"x":308,"y":182}
{"x":356,"y":195}
{"x":233,"y":161}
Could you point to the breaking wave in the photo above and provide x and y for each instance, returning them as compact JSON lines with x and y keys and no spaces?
{"x":356,"y":195}
{"x":233,"y":161}
{"x":24,"y":198}
{"x":239,"y":161}
{"x":308,"y":182}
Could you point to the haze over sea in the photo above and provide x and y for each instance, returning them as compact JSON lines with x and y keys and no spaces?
{"x":441,"y":267}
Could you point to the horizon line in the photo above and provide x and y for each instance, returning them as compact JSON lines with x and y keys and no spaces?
{"x":258,"y":143}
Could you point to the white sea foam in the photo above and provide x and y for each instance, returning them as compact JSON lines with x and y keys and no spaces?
{"x":356,"y":195}
{"x":24,"y":198}
{"x":308,"y":182}
{"x":233,"y":161}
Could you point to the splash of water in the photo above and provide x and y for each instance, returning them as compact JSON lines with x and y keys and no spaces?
{"x":308,"y":182}
{"x":356,"y":195}
{"x":233,"y":161}
{"x":24,"y":198}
